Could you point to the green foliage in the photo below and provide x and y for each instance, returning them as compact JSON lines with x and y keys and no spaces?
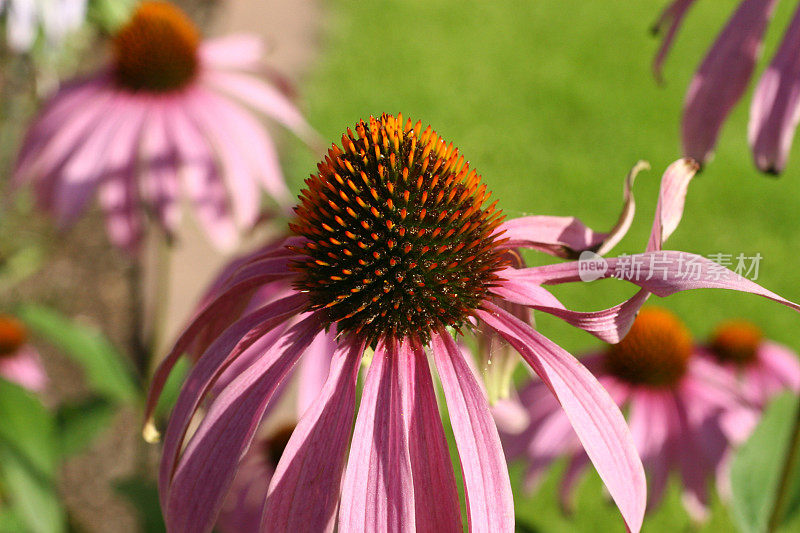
{"x":108,"y":372}
{"x":143,"y":495}
{"x":756,"y":469}
{"x":79,"y":423}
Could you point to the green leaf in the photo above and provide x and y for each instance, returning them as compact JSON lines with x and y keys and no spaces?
{"x":108,"y":372}
{"x":110,"y":14}
{"x":79,"y":424}
{"x":32,"y":495}
{"x":169,"y":395}
{"x":756,"y":468}
{"x":143,"y":495}
{"x":27,"y":428}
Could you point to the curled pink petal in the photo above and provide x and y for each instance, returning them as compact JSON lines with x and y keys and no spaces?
{"x":672,"y":16}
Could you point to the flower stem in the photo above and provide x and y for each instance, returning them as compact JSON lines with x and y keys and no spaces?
{"x":789,"y":463}
{"x":138,"y":336}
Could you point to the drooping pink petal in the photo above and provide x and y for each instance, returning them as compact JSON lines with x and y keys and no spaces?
{"x":118,"y":193}
{"x":781,"y":363}
{"x":567,"y":236}
{"x":304,"y":491}
{"x":232,"y":343}
{"x":490,"y":502}
{"x":650,"y":428}
{"x":435,"y":493}
{"x":264,"y":98}
{"x":672,"y":16}
{"x":201,"y":179}
{"x":236,"y":171}
{"x":722,"y":78}
{"x":593,"y":414}
{"x":243,"y":51}
{"x":378,"y":490}
{"x":209,"y":462}
{"x":775,"y":108}
{"x":577,"y":465}
{"x":249,"y":136}
{"x":159,"y":178}
{"x":312,"y":372}
{"x":24,"y":368}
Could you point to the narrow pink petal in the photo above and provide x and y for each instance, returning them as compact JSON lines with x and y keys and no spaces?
{"x":219,"y":305}
{"x":780,"y":362}
{"x":25,"y":368}
{"x":234,"y":340}
{"x":722,"y":78}
{"x":119,"y":194}
{"x":575,"y":469}
{"x":236,"y":172}
{"x":212,"y":456}
{"x":775,"y":108}
{"x":435,"y":493}
{"x":650,"y":427}
{"x":264,"y":98}
{"x":202,"y":180}
{"x":593,"y":414}
{"x":313,"y":370}
{"x":242,"y":51}
{"x":671,"y":200}
{"x":159,"y":179}
{"x":673,"y":17}
{"x":567,"y":236}
{"x":304,"y":491}
{"x":378,"y":491}
{"x":249,"y":136}
{"x":490,"y":502}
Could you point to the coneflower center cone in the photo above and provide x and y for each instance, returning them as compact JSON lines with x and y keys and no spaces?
{"x":736,"y":342}
{"x":156,"y":51}
{"x":655,"y":352}
{"x":12,"y":335}
{"x":399,"y":241}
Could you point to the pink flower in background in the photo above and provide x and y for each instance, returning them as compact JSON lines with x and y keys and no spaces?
{"x":55,"y":19}
{"x":724,"y":75}
{"x":684,"y":413}
{"x":762,"y":368}
{"x":169,"y":118}
{"x":393,"y":252}
{"x":19,"y":361}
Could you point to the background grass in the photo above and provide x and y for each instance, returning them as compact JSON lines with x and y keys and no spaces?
{"x":553,"y":101}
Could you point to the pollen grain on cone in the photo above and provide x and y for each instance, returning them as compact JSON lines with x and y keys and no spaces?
{"x":736,"y":341}
{"x":12,"y":335}
{"x":156,"y":51}
{"x":655,"y":352}
{"x":399,"y":239}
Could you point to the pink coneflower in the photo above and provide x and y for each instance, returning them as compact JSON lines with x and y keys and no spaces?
{"x":394,"y":251}
{"x":761,"y":367}
{"x":164,"y":120}
{"x":722,"y":79}
{"x":19,"y":361}
{"x":681,"y":412}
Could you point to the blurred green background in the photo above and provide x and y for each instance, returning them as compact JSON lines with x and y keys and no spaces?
{"x":552,"y":101}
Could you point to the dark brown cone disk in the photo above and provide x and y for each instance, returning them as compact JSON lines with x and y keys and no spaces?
{"x":400,"y":242}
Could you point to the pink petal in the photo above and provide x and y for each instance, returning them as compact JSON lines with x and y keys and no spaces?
{"x":780,"y":362}
{"x":159,"y":179}
{"x":304,"y":491}
{"x":24,"y":368}
{"x":775,"y":108}
{"x":673,"y":16}
{"x":593,"y":414}
{"x":378,"y":492}
{"x":722,"y":77}
{"x":264,"y":98}
{"x":671,"y":200}
{"x":211,"y":457}
{"x":435,"y":492}
{"x":567,"y":236}
{"x":202,"y":180}
{"x":577,"y":465}
{"x":235,"y":340}
{"x":651,"y":429}
{"x":242,"y":51}
{"x":313,"y":370}
{"x":490,"y":502}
